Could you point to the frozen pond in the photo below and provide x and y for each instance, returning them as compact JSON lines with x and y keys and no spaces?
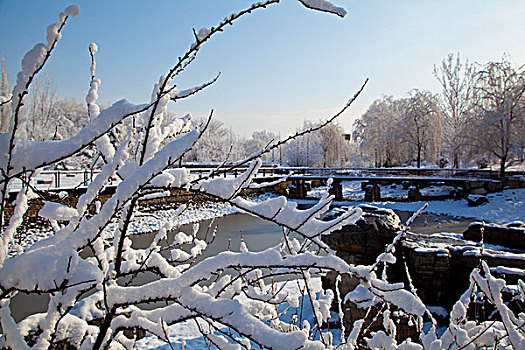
{"x":257,"y":233}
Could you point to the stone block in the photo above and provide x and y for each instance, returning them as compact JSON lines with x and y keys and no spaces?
{"x":473,"y":184}
{"x":476,"y":200}
{"x":336,"y":190}
{"x":512,"y":237}
{"x":479,"y":191}
{"x":414,"y":195}
{"x":494,"y":186}
{"x":372,"y":192}
{"x":367,"y":237}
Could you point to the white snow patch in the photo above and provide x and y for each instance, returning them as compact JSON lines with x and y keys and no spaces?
{"x":503,"y":207}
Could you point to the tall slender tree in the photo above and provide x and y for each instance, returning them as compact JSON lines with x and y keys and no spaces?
{"x":422,"y":123}
{"x":457,"y":97}
{"x":42,"y":122}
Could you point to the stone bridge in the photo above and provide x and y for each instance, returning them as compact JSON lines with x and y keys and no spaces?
{"x":372,"y":185}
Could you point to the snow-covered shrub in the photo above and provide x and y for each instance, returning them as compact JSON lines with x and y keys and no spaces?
{"x":91,"y":303}
{"x":95,"y":300}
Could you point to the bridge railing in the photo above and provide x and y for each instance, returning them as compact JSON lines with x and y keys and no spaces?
{"x":69,"y":179}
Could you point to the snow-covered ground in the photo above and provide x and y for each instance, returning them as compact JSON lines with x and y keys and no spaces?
{"x":503,"y":207}
{"x":151,"y":222}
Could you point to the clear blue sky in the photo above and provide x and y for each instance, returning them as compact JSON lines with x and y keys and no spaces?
{"x":279,"y":66}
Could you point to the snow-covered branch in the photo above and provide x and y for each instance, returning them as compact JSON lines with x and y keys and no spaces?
{"x":93,"y":276}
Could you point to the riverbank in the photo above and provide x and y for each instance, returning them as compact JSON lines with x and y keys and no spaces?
{"x":440,"y":216}
{"x":150,"y":217}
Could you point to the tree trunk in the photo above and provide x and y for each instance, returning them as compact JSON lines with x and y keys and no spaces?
{"x":419,"y":156}
{"x":503,"y":161}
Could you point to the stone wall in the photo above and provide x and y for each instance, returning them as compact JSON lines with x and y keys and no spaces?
{"x":439,"y":265}
{"x":361,"y":243}
{"x":512,"y":236}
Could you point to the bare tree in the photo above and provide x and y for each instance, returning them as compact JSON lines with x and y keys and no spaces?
{"x":500,"y":92}
{"x":456,"y":79}
{"x":379,"y":132}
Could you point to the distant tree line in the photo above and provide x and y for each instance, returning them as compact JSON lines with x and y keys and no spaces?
{"x":326,"y":147}
{"x":479,"y":116}
{"x":55,"y":118}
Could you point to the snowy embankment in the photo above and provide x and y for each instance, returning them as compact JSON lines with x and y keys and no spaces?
{"x":144,"y":222}
{"x":502,"y":207}
{"x":152,"y":222}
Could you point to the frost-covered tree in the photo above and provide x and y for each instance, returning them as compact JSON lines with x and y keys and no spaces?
{"x":397,"y":131}
{"x":520,"y":137}
{"x":41,"y":123}
{"x":70,"y":117}
{"x":336,"y":149}
{"x":305,"y":151}
{"x":5,"y":94}
{"x":457,"y":98}
{"x":500,"y":90}
{"x":379,"y":132}
{"x":422,"y":126}
{"x":325,"y":147}
{"x":215,"y":145}
{"x":261,"y":139}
